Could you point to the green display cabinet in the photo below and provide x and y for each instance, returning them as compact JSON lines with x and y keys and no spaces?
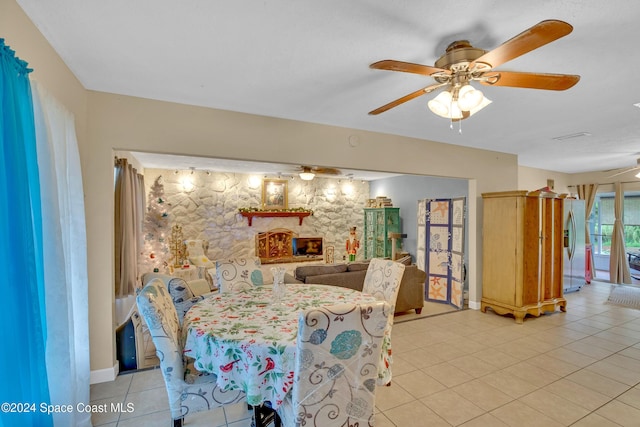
{"x":378,"y":223}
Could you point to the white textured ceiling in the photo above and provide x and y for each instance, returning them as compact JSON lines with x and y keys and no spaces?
{"x":308,"y":61}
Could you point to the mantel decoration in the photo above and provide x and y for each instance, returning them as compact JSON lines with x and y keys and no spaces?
{"x":291,"y":210}
{"x":274,"y":194}
{"x":249,"y":213}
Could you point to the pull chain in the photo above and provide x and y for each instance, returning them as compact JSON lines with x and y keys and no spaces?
{"x":451,"y":113}
{"x":451,"y":118}
{"x":459,"y":124}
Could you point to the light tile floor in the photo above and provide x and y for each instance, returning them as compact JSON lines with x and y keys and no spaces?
{"x":467,"y":368}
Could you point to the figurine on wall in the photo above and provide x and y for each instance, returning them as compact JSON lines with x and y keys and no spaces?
{"x":353,"y":244}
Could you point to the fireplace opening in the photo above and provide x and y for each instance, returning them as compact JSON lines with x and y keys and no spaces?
{"x":282,"y":245}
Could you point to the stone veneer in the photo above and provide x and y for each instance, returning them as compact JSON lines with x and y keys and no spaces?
{"x":210,"y":210}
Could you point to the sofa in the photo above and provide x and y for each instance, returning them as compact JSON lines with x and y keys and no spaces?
{"x":351,"y":275}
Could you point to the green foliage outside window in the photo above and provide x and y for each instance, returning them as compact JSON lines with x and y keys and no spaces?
{"x":601,"y":223}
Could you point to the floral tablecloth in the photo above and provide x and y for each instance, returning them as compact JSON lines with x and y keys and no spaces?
{"x":249,"y":342}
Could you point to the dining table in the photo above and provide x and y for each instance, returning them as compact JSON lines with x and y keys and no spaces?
{"x":248,"y":339}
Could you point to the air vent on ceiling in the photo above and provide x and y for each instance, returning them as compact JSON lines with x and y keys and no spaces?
{"x":571,"y":136}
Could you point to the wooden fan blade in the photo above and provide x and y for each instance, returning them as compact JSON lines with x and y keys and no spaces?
{"x":406,"y":98}
{"x":407,"y":67}
{"x":530,"y":80}
{"x":326,"y":171}
{"x":540,"y":34}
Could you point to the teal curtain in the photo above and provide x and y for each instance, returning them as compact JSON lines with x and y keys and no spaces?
{"x":22,"y":312}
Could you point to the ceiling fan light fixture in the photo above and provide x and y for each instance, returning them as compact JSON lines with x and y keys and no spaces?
{"x":463,"y":63}
{"x":469,"y":97}
{"x":441,"y":104}
{"x":307,"y":175}
{"x":485,"y":101}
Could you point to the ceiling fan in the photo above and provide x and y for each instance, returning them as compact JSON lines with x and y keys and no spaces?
{"x":463,"y":63}
{"x":625,"y":170}
{"x":307,"y":173}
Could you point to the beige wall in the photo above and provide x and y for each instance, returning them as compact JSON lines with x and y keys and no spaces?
{"x":533,"y":179}
{"x":107,"y":122}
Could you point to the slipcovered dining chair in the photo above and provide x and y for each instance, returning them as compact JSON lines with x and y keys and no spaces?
{"x":238,"y":273}
{"x":338,"y":348}
{"x":179,"y":291}
{"x":187,"y":390}
{"x":383,"y":281}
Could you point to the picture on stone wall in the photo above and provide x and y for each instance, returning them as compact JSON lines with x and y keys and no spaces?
{"x":274,"y":194}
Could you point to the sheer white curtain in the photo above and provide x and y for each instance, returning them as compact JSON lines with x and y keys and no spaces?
{"x":65,"y":257}
{"x":618,"y":263}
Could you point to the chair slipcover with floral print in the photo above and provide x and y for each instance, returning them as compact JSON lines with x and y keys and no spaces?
{"x":187,"y":390}
{"x":239,"y":273}
{"x":338,"y":349}
{"x":179,"y":292}
{"x":383,"y":281}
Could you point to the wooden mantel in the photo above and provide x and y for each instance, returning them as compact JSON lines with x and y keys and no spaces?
{"x":263,"y":214}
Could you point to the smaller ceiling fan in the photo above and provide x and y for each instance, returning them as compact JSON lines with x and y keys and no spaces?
{"x":625,"y":170}
{"x":462,"y":63}
{"x":307,"y":173}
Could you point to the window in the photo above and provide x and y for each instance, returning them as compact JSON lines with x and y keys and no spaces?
{"x":602,"y":219}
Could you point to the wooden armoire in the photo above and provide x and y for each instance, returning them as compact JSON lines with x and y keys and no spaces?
{"x":522,"y":253}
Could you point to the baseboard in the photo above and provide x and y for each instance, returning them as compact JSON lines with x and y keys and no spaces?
{"x":104,"y":375}
{"x":474,"y":305}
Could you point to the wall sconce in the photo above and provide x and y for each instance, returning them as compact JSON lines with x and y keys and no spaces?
{"x":187,"y":184}
{"x":254,"y":182}
{"x":347,"y":189}
{"x":330,"y":193}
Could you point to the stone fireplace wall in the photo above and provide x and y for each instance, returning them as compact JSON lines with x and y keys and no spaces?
{"x":209,"y":210}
